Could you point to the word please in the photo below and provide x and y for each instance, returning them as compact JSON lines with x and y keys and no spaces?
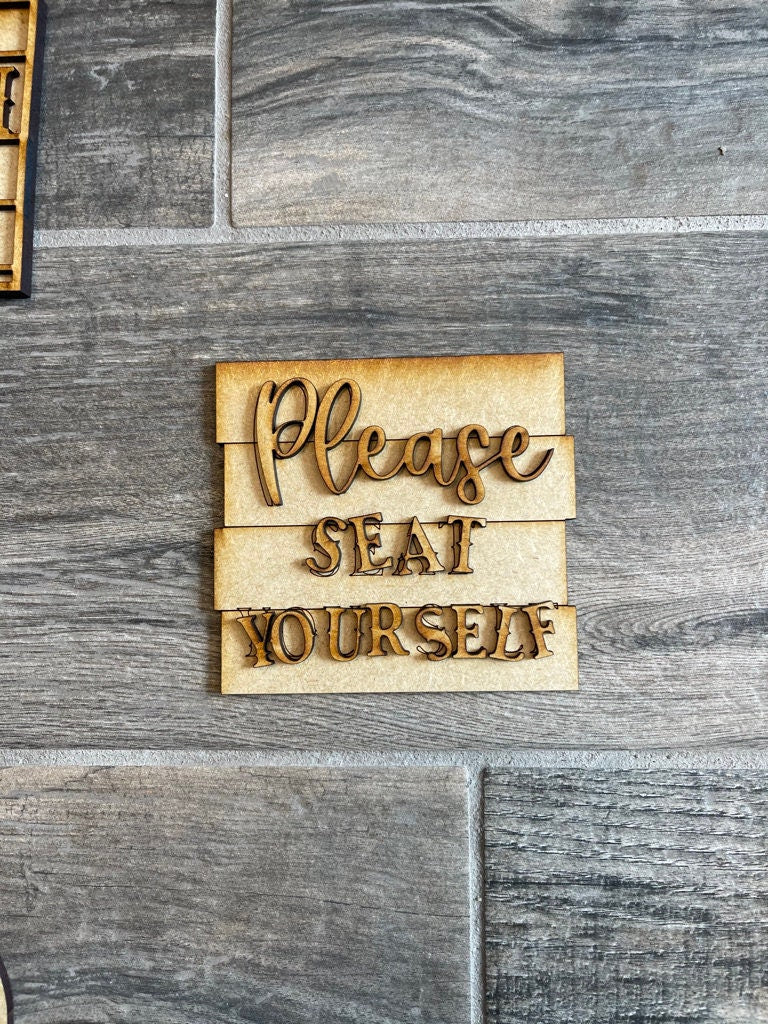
{"x":289,"y":636}
{"x":329,"y":421}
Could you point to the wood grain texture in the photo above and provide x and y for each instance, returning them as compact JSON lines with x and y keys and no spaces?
{"x":7,"y":233}
{"x":507,"y":110}
{"x":626,"y":897}
{"x":115,"y":481}
{"x":127,"y":115}
{"x":234,"y":896}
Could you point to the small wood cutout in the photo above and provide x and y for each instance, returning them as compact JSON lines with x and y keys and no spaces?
{"x":21,"y":23}
{"x":395,"y":525}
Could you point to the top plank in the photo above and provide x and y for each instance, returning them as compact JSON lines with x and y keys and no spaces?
{"x":410,"y":395}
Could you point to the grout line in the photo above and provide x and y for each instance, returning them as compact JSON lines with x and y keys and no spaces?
{"x":476,"y":868}
{"x":222,"y":139}
{"x":718,"y":759}
{"x":222,"y":233}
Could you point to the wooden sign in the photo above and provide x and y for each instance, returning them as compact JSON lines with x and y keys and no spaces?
{"x":20,"y":35}
{"x":395,"y":525}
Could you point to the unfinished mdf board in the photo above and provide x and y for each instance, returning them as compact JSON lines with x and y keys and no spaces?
{"x":551,"y":495}
{"x":478,"y":662}
{"x":430,"y":588}
{"x":515,"y":562}
{"x":7,"y":245}
{"x":233,"y":895}
{"x":19,"y":83}
{"x":410,"y":395}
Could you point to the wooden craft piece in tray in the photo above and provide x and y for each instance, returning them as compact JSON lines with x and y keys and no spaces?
{"x":21,"y":24}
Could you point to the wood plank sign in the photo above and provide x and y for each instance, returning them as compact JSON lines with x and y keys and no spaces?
{"x":395,"y":525}
{"x":20,"y":34}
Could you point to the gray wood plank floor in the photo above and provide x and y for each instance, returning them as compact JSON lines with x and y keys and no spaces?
{"x":319,"y":896}
{"x":126,"y":134}
{"x":505,"y":110}
{"x":623,"y":897}
{"x":109,"y":458}
{"x":233,"y":896}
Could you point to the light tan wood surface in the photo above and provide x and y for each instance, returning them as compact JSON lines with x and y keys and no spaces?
{"x":393,"y":673}
{"x":13,"y":29}
{"x":305,"y":498}
{"x":414,"y":394}
{"x":9,"y":162}
{"x":7,"y":234}
{"x":448,"y":565}
{"x":516,"y":563}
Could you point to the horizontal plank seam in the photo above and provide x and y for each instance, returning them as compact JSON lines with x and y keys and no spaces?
{"x":222,"y":140}
{"x":400,"y":522}
{"x":356,"y":437}
{"x":222,"y":234}
{"x":703,"y":759}
{"x":360,"y":604}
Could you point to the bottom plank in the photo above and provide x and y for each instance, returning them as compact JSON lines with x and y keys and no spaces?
{"x":531,"y":648}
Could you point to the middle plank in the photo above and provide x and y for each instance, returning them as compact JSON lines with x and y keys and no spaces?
{"x":514,"y":563}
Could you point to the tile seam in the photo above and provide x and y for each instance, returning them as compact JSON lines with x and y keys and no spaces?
{"x":222,"y":233}
{"x":471,"y":761}
{"x":222,"y":131}
{"x":476,"y":871}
